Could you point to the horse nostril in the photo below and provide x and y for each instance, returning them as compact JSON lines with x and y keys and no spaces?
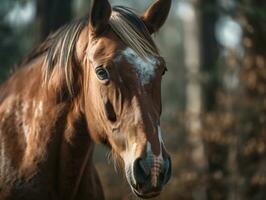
{"x":167,"y":170}
{"x":141,"y":172}
{"x":150,"y":176}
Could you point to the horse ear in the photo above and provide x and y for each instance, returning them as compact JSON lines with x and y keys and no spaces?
{"x":155,"y":16}
{"x":100,"y":15}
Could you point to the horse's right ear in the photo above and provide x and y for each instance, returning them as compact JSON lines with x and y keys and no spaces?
{"x":156,"y":15}
{"x":99,"y":15}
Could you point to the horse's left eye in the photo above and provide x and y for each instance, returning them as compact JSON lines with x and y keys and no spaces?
{"x":164,"y":71}
{"x":102,"y":73}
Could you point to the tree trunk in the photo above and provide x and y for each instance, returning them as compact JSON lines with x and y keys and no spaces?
{"x":194,"y":105}
{"x":216,"y":152}
{"x":209,"y":52}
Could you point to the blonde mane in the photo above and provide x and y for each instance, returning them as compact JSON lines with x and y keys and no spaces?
{"x":133,"y":32}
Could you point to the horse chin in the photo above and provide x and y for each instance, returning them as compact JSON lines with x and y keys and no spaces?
{"x":145,"y":196}
{"x":140,"y":194}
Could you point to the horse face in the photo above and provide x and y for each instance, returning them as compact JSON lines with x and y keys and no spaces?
{"x":122,"y":100}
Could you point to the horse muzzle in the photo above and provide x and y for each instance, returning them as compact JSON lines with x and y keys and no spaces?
{"x":149,"y":175}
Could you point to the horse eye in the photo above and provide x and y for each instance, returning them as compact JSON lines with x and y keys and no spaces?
{"x":164,"y":71}
{"x":102,"y":73}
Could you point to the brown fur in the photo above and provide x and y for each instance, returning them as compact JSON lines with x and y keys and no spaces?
{"x":52,"y":111}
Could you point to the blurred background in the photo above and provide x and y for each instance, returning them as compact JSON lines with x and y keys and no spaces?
{"x":214,"y":93}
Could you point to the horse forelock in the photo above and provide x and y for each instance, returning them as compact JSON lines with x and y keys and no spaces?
{"x":133,"y":32}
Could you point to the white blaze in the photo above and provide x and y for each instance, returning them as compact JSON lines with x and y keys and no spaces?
{"x":129,"y":157}
{"x":160,"y":137}
{"x":157,"y":161}
{"x":145,"y":68}
{"x":153,"y":162}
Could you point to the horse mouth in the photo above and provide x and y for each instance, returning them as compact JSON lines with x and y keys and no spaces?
{"x":142,"y":192}
{"x":145,"y":196}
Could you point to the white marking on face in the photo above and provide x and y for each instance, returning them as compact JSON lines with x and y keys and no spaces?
{"x":160,"y":137}
{"x":149,"y":150}
{"x":145,"y":68}
{"x":155,"y":161}
{"x":129,"y":157}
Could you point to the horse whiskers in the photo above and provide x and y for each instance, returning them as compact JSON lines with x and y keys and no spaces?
{"x":115,"y":159}
{"x":109,"y":156}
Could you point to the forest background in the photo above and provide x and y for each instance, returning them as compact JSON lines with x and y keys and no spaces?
{"x":214,"y":93}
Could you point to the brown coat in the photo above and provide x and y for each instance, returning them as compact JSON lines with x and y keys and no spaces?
{"x":78,"y":87}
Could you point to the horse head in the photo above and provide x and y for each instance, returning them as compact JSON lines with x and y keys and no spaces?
{"x":122,"y":90}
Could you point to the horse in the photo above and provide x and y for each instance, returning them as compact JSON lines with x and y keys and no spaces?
{"x":95,"y":80}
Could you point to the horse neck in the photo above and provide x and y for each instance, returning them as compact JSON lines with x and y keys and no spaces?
{"x":46,"y":136}
{"x":75,"y":154}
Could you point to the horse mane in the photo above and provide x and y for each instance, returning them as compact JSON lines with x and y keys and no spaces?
{"x":132,"y":31}
{"x":59,"y":47}
{"x":61,"y":53}
{"x":51,"y":42}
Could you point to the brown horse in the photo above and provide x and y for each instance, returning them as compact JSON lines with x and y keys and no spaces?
{"x":94,"y":80}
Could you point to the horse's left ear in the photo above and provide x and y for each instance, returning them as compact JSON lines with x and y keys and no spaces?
{"x":156,"y":15}
{"x":99,"y":15}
